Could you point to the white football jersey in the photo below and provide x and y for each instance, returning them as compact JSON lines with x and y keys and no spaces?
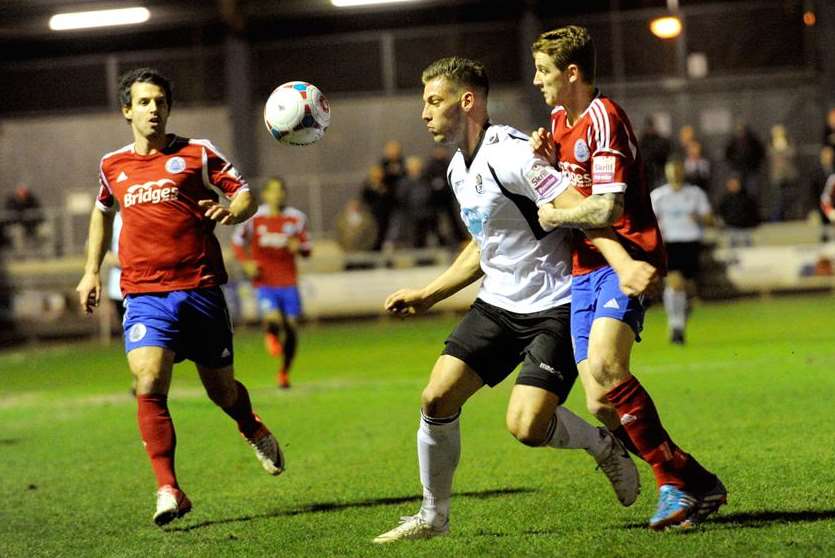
{"x":525,"y":269}
{"x":675,"y":211}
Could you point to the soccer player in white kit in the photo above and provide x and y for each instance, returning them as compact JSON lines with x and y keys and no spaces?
{"x":522,"y":311}
{"x":682,"y":210}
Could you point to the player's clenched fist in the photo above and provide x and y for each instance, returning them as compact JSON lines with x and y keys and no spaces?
{"x":89,"y":291}
{"x":542,"y":144}
{"x":548,"y":217}
{"x":639,"y":278}
{"x":407,"y":302}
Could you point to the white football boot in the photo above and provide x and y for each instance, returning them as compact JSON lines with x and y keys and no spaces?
{"x":412,"y":527}
{"x":171,"y":504}
{"x":267,"y":450}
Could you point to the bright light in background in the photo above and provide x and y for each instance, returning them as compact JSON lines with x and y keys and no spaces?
{"x":353,"y":3}
{"x":98,"y":18}
{"x":668,"y":27}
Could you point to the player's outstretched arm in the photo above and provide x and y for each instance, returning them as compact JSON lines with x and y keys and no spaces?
{"x":636,"y":277}
{"x":242,"y":207}
{"x":571,"y":209}
{"x":98,"y":240}
{"x":464,"y":270}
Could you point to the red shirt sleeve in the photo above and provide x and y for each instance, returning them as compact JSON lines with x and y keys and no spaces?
{"x":105,"y":200}
{"x":613,"y":153}
{"x":220,"y":173}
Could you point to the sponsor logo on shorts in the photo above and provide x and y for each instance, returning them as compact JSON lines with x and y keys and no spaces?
{"x":225,"y":353}
{"x":581,"y":151}
{"x":551,"y":369}
{"x":175,"y":165}
{"x":603,"y":169}
{"x":137,"y":332}
{"x":154,"y":191}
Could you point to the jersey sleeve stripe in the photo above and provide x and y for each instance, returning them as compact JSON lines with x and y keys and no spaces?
{"x":205,"y":168}
{"x":103,"y":208}
{"x":602,"y":122}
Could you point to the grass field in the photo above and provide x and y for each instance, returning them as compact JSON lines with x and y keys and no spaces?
{"x":751,"y":395}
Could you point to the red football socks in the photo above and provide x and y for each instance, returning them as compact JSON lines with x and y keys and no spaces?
{"x":241,"y":412}
{"x":157,"y":431}
{"x":640,"y":419}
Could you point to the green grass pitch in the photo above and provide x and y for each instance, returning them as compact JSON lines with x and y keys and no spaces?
{"x":751,"y":395}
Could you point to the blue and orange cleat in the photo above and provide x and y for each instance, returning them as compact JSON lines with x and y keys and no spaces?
{"x":674,"y":507}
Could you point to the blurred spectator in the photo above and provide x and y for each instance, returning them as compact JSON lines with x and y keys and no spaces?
{"x":686,"y":136}
{"x":782,"y":174}
{"x":745,"y":154}
{"x":739,"y":213}
{"x":655,"y":150}
{"x":24,"y":209}
{"x":356,"y":230}
{"x":829,"y":129}
{"x":827,"y":200}
{"x":418,"y":219}
{"x":696,"y":167}
{"x":817,"y":182}
{"x":379,"y":197}
{"x":392,"y":163}
{"x":443,"y":201}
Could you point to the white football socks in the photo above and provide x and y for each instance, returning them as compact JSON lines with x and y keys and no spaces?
{"x":675,"y":304}
{"x":572,"y":432}
{"x":439,"y":449}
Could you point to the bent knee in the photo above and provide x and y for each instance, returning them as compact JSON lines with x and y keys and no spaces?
{"x":528,"y":429}
{"x":437,"y":403}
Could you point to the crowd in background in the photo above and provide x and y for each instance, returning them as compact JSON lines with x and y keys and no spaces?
{"x":759,"y":180}
{"x":408,"y":204}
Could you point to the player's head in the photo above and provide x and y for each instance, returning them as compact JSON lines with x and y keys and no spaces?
{"x":564,"y":58}
{"x":827,"y":156}
{"x":274,"y":192}
{"x":674,"y":170}
{"x":733,"y":184}
{"x":145,"y":98}
{"x":414,"y":167}
{"x":454,"y":89}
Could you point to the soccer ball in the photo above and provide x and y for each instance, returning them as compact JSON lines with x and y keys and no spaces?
{"x":297,"y":113}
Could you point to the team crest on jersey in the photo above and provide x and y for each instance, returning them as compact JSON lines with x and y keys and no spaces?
{"x":581,"y":151}
{"x":175,"y":165}
{"x":479,"y":187}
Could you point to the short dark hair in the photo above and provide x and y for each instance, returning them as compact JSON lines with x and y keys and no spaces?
{"x":460,"y":70}
{"x":143,"y":75}
{"x":569,"y":45}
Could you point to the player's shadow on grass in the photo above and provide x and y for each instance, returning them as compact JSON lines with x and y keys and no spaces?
{"x":759,"y":519}
{"x":324,"y":507}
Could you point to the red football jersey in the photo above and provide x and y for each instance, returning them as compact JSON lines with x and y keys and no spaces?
{"x":599,"y":154}
{"x":167,"y":243}
{"x":264,"y":239}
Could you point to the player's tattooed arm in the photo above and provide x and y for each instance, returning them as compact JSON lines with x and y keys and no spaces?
{"x":593,"y":212}
{"x":464,"y":270}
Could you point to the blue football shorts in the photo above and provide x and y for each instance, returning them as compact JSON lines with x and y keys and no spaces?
{"x":598,"y":295}
{"x":194,"y":324}
{"x":283,"y":299}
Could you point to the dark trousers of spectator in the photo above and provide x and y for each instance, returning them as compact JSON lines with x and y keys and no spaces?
{"x":785,"y":200}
